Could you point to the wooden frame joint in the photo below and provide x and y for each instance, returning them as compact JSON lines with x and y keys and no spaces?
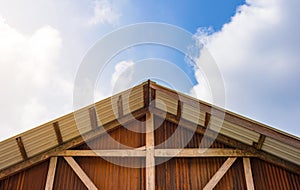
{"x":207,"y":119}
{"x":93,"y":118}
{"x":258,"y":145}
{"x":120,"y":106}
{"x":146,"y":89}
{"x":58,"y":133}
{"x":21,"y":148}
{"x":179,"y":109}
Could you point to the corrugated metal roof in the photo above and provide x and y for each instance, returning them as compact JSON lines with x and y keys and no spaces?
{"x":43,"y":138}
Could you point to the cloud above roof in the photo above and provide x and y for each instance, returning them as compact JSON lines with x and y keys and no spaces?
{"x":258,"y":54}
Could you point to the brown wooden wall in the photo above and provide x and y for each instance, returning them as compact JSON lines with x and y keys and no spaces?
{"x":104,"y":174}
{"x":176,"y":173}
{"x":194,"y":173}
{"x":32,"y":178}
{"x":269,"y":176}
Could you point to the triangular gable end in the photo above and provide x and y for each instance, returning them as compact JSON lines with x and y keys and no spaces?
{"x":239,"y":137}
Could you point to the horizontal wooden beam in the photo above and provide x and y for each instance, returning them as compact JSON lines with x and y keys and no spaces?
{"x":196,"y":152}
{"x":229,"y":141}
{"x":186,"y":152}
{"x":6,"y":172}
{"x":103,"y":153}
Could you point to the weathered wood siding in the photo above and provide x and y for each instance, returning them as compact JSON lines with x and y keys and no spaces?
{"x":176,"y":173}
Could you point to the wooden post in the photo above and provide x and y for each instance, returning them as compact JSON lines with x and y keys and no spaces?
{"x":51,"y":173}
{"x":207,"y":119}
{"x":179,"y":110}
{"x":93,"y":118}
{"x":58,"y":133}
{"x":146,"y":94}
{"x":248,"y":173}
{"x":120,"y":106}
{"x":21,"y":148}
{"x":150,"y":159}
{"x":260,"y":142}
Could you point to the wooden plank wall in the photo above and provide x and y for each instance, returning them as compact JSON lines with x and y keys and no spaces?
{"x":194,"y":173}
{"x":30,"y":179}
{"x":176,"y":173}
{"x":269,"y":176}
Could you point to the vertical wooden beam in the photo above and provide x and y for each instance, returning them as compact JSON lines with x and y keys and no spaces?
{"x":248,"y":173}
{"x":207,"y":119}
{"x":58,"y":133}
{"x":179,"y":110}
{"x":51,"y":173}
{"x":93,"y":118}
{"x":152,"y":93}
{"x":120,"y":106}
{"x":80,"y":173}
{"x":150,"y":159}
{"x":220,"y":173}
{"x":260,"y":142}
{"x":146,"y":90}
{"x":21,"y":148}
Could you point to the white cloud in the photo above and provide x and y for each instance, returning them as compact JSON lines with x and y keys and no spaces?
{"x":116,"y":78}
{"x":122,"y":76}
{"x":104,"y":13}
{"x":258,"y":54}
{"x":28,"y":78}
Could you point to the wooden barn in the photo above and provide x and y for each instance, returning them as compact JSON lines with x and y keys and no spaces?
{"x":161,"y":140}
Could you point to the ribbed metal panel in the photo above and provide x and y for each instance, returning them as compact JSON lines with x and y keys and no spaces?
{"x":234,"y":131}
{"x":107,"y":173}
{"x":194,"y":173}
{"x":193,"y":114}
{"x":127,"y":136}
{"x":83,"y":121}
{"x":68,"y":127}
{"x":170,"y":135}
{"x":105,"y":110}
{"x":66,"y":178}
{"x":39,"y":139}
{"x":176,"y":173}
{"x":103,"y":174}
{"x":281,"y":150}
{"x":29,"y":179}
{"x":166,"y":102}
{"x":8,"y":148}
{"x":43,"y":137}
{"x":133,"y":100}
{"x":269,"y":176}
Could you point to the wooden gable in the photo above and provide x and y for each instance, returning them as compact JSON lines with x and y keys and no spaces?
{"x":235,"y":158}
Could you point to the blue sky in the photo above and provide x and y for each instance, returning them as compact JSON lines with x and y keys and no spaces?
{"x":255,"y":44}
{"x":186,"y":14}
